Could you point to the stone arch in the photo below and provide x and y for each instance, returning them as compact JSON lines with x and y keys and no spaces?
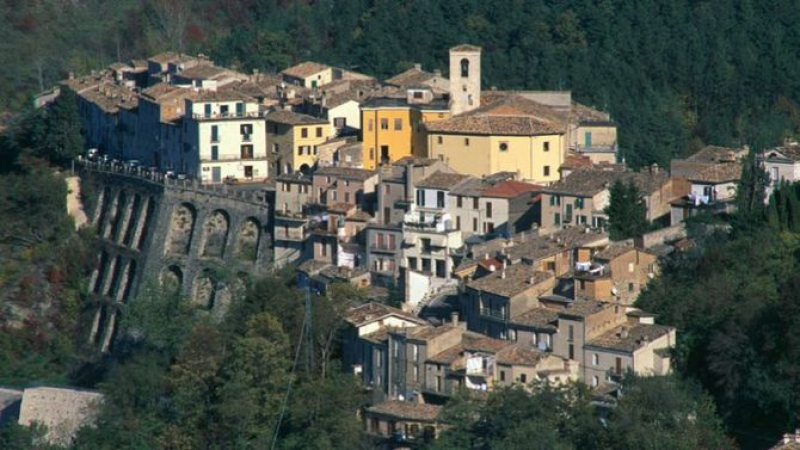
{"x":127,"y":283}
{"x":465,"y":68}
{"x":101,"y":273}
{"x":305,"y":169}
{"x":146,"y":220}
{"x":204,"y":290}
{"x":181,"y":229}
{"x":133,"y":218}
{"x":116,"y":219}
{"x":215,"y":234}
{"x":116,"y":275}
{"x":101,"y":209}
{"x":172,"y":274}
{"x":248,"y":239}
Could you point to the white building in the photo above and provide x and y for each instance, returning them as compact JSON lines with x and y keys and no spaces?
{"x":225,"y":136}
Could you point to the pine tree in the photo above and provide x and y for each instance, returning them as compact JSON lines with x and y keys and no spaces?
{"x":627,"y":212}
{"x":63,"y":139}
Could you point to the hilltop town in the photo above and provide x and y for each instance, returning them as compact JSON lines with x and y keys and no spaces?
{"x":496,"y":238}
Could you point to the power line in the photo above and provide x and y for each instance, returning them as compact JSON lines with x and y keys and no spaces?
{"x":291,"y":381}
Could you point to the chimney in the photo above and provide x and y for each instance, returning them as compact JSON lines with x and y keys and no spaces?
{"x":654,"y":168}
{"x":72,"y":75}
{"x":417,"y":66}
{"x":454,"y":318}
{"x":503,"y":274}
{"x":532,"y":280}
{"x":623,"y":333}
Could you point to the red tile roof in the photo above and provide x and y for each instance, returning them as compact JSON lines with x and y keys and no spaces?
{"x":511,"y":189}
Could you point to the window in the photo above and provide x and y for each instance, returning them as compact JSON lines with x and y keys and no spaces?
{"x":547,"y":171}
{"x":426,"y":265}
{"x":417,"y":94}
{"x":582,"y":220}
{"x":248,"y":172}
{"x":239,"y":109}
{"x":246,"y":130}
{"x":489,"y":209}
{"x":275,"y":148}
{"x":579,"y":202}
{"x":340,"y":122}
{"x":512,"y":335}
{"x":438,"y":139}
{"x":555,"y":200}
{"x":568,"y":214}
{"x":571,"y":332}
{"x":475,"y":203}
{"x":475,"y":224}
{"x":324,"y":249}
{"x":466,"y":142}
{"x":335,"y":195}
{"x":247,"y":152}
{"x":502,"y":375}
{"x":458,"y":222}
{"x":546,"y":146}
{"x":420,"y":197}
{"x":595,"y":359}
{"x":488,"y":227}
{"x":416,"y":374}
{"x":426,"y":245}
{"x":618,"y":366}
{"x":571,"y":351}
{"x":523,"y":378}
{"x":214,"y":133}
{"x":582,"y":285}
{"x":630,"y":287}
{"x":223,"y":110}
{"x":207,"y":110}
{"x":369,"y":124}
{"x":214,"y":152}
{"x":631,"y":267}
{"x":384,"y":124}
{"x":319,"y":132}
{"x":595,"y":381}
{"x":398,"y":124}
{"x":372,"y":154}
{"x":440,"y":199}
{"x":304,"y":132}
{"x":465,"y":68}
{"x":412,"y":263}
{"x":439,"y":383}
{"x":557,"y":219}
{"x":347,"y":197}
{"x":441,"y":270}
{"x":504,"y":146}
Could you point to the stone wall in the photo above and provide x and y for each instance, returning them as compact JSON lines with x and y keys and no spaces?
{"x":204,"y":241}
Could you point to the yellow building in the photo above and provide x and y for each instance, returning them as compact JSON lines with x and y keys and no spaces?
{"x":393,"y":128}
{"x":512,"y":134}
{"x":292,"y":141}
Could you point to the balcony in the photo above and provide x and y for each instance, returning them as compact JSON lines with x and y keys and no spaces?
{"x":227,"y":116}
{"x":480,"y":366}
{"x":607,"y":149}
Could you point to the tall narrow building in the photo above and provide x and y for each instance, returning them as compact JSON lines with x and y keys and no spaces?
{"x":465,"y":78}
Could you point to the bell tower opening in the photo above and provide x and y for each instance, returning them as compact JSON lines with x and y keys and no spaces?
{"x":465,"y":78}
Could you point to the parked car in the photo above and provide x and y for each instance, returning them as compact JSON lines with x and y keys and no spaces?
{"x":92,"y":154}
{"x":170,"y":174}
{"x":181,"y":176}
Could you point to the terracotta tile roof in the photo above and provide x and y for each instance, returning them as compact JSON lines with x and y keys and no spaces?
{"x":110,"y":97}
{"x":447,"y":356}
{"x":465,"y":48}
{"x":517,"y":280}
{"x":345,"y":173}
{"x":590,"y":182}
{"x":225,"y":94}
{"x":509,"y":116}
{"x":410,"y":77}
{"x":491,"y":264}
{"x":539,"y":318}
{"x":539,"y":247}
{"x":162,"y":91}
{"x":484,"y":344}
{"x":442,"y":180}
{"x":715,"y":154}
{"x":305,"y":69}
{"x":573,"y":162}
{"x":292,"y":118}
{"x":613,"y":251}
{"x":586,"y":115}
{"x":163,"y":58}
{"x":584,"y":308}
{"x":204,"y":72}
{"x":406,"y":410}
{"x":637,"y":336}
{"x":427,"y":332}
{"x":371,"y":312}
{"x":520,"y":355}
{"x":789,"y":151}
{"x":511,"y":189}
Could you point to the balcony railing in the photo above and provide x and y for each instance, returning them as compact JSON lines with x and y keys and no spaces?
{"x":229,"y":115}
{"x":595,"y":148}
{"x":382,"y":248}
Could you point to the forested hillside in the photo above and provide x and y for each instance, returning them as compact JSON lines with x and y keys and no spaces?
{"x":674,"y":74}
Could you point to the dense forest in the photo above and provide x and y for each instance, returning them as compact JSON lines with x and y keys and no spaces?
{"x":674,"y":74}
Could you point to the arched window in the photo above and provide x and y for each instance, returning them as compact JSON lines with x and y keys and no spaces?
{"x":465,"y":68}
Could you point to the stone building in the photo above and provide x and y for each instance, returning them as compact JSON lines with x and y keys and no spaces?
{"x":293,"y":139}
